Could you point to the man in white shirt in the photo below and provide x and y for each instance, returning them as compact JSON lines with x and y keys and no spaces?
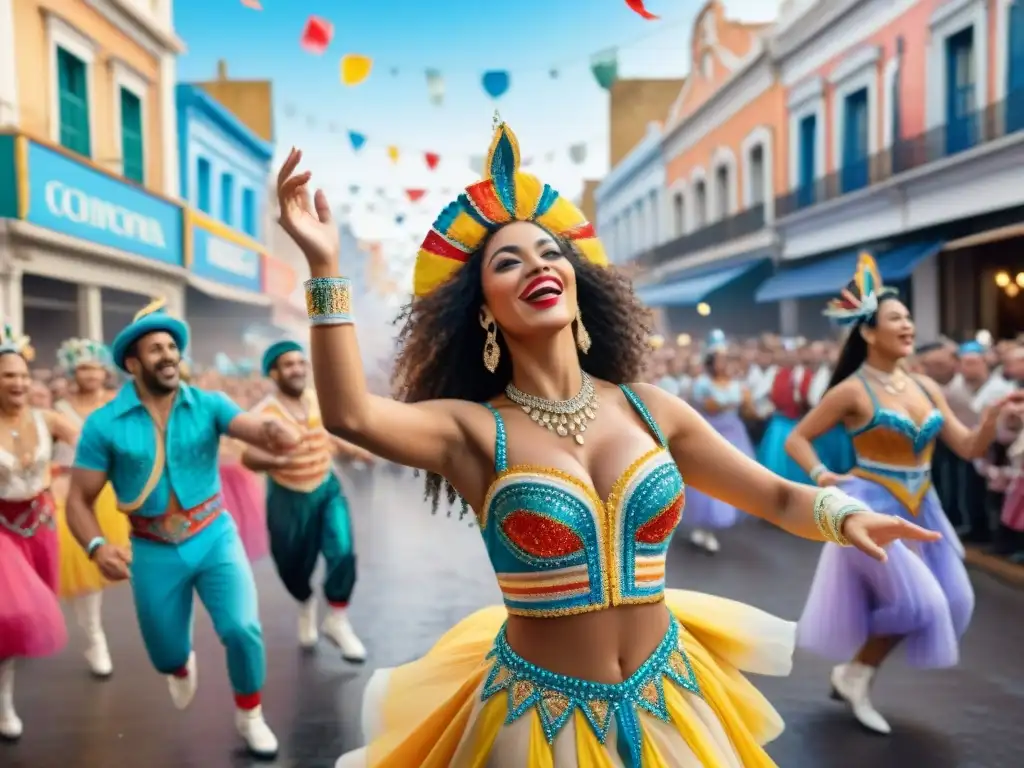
{"x":759,"y":379}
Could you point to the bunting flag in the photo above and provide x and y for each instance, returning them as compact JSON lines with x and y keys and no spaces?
{"x":399,"y":218}
{"x":637,"y":6}
{"x":435,"y":87}
{"x":432,"y":159}
{"x":496,"y":82}
{"x":578,"y":153}
{"x":393,"y":154}
{"x":357,"y":140}
{"x":355,"y":68}
{"x":415,"y":195}
{"x":353,"y":189}
{"x":254,"y":4}
{"x":605,"y":67}
{"x":317,"y":35}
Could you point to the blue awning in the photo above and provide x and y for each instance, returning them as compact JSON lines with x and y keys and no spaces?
{"x":827,"y":277}
{"x":691,"y":291}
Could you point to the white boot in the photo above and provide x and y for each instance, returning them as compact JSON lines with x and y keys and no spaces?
{"x":711,"y":543}
{"x":852,"y":683}
{"x":338,"y":628}
{"x":10,"y":724}
{"x":88,"y":611}
{"x":183,"y":689}
{"x":258,"y":737}
{"x":308,"y":634}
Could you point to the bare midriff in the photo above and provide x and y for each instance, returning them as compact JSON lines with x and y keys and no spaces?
{"x":604,"y":646}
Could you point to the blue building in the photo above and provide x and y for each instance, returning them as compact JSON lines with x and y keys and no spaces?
{"x":224,"y":170}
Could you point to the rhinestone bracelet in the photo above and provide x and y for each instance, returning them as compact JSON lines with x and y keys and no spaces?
{"x":329,"y":300}
{"x":831,"y":508}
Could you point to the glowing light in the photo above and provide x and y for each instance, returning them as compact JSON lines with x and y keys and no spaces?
{"x":1012,"y":290}
{"x":1002,"y":279}
{"x":703,"y":309}
{"x":683,"y":340}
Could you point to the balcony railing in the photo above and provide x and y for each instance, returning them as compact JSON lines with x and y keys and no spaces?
{"x":906,"y":154}
{"x":743,"y":223}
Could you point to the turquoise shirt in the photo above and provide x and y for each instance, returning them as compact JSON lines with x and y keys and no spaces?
{"x":120,"y":440}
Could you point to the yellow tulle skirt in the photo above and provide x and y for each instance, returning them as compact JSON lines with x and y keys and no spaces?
{"x":78,"y":574}
{"x":434,"y":712}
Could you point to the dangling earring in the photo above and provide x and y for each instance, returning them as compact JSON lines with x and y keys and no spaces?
{"x":492,"y":352}
{"x":582,"y":337}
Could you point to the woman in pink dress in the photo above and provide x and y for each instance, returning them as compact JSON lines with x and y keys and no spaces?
{"x":31,"y":622}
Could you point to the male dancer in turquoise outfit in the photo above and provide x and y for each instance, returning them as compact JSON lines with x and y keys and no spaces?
{"x":157,"y":443}
{"x":307,"y":512}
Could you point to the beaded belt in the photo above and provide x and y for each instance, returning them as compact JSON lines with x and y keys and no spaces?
{"x":24,"y":517}
{"x":556,"y":697}
{"x":176,"y":527}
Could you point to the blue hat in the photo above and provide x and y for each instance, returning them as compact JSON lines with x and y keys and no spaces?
{"x":717,"y":341}
{"x":972,"y":348}
{"x":150,"y":319}
{"x":277,"y":349}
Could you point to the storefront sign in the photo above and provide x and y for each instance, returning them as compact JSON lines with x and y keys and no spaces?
{"x":71,"y":198}
{"x":225,"y":262}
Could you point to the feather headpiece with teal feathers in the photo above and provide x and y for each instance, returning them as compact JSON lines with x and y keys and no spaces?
{"x":76,"y":352}
{"x":858,"y":301}
{"x":11,"y":343}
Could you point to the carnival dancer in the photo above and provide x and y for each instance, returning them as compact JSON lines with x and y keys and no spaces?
{"x":307,"y":511}
{"x":81,"y":582}
{"x":156,"y":443}
{"x":720,"y":398}
{"x":31,"y":622}
{"x":591,"y":657}
{"x":788,"y":394}
{"x":920,"y":597}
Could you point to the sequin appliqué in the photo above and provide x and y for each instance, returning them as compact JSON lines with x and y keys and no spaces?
{"x":663,"y":524}
{"x":556,"y":697}
{"x":540,"y":535}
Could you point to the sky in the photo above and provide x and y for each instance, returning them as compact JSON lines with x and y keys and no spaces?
{"x":460,"y":38}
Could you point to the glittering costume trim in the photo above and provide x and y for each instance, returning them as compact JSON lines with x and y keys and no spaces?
{"x":556,"y":697}
{"x":24,"y":517}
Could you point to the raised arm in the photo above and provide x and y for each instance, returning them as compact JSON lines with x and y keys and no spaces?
{"x":429,"y":435}
{"x":968,"y":443}
{"x":711,"y":465}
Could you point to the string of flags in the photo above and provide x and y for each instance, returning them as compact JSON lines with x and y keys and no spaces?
{"x":577,"y":152}
{"x":356,"y":68}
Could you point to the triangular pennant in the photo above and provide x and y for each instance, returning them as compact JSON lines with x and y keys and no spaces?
{"x":399,"y":218}
{"x":317,"y":35}
{"x":355,"y":68}
{"x":415,"y":195}
{"x":605,"y":67}
{"x":435,"y":87}
{"x":432,"y":159}
{"x":578,"y":153}
{"x":357,"y":140}
{"x":353,"y":189}
{"x":393,"y":153}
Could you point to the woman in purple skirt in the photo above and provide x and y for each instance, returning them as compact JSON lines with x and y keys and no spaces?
{"x":719,"y":397}
{"x":860,"y":610}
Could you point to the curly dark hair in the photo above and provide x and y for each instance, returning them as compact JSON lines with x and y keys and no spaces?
{"x":441,"y":341}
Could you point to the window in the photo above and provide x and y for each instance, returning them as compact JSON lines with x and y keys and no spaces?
{"x":960,"y":96}
{"x":721,"y":192}
{"x":203,"y":184}
{"x":227,"y":198}
{"x":73,"y":102}
{"x":655,"y":219}
{"x":700,"y":204}
{"x":756,"y":166}
{"x":807,"y":172}
{"x":131,"y":136}
{"x":679,"y":214}
{"x":855,"y":141}
{"x":642,"y":227}
{"x":249,"y":212}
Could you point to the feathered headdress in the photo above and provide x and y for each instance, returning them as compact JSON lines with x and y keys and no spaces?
{"x":19,"y":345}
{"x":716,"y":340}
{"x":76,"y":352}
{"x":858,"y":301}
{"x":506,"y":194}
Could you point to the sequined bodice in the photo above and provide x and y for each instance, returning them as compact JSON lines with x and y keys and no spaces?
{"x":557,"y":548}
{"x":895,"y":451}
{"x":26,"y":480}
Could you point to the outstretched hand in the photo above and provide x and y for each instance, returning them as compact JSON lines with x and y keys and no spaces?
{"x":871,"y":532}
{"x":307,"y":221}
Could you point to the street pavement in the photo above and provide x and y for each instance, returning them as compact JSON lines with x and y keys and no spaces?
{"x":419,"y":574}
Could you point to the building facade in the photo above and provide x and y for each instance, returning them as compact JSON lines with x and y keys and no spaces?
{"x":88,"y":147}
{"x":723,"y":151}
{"x":905,"y":121}
{"x":891,"y":126}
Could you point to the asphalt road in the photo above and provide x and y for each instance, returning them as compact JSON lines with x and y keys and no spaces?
{"x":419,"y":574}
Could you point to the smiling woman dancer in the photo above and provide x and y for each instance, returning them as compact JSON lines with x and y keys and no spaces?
{"x":591,"y":661}
{"x":921,"y":598}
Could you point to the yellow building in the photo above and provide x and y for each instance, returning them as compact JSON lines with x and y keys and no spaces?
{"x":88,"y":115}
